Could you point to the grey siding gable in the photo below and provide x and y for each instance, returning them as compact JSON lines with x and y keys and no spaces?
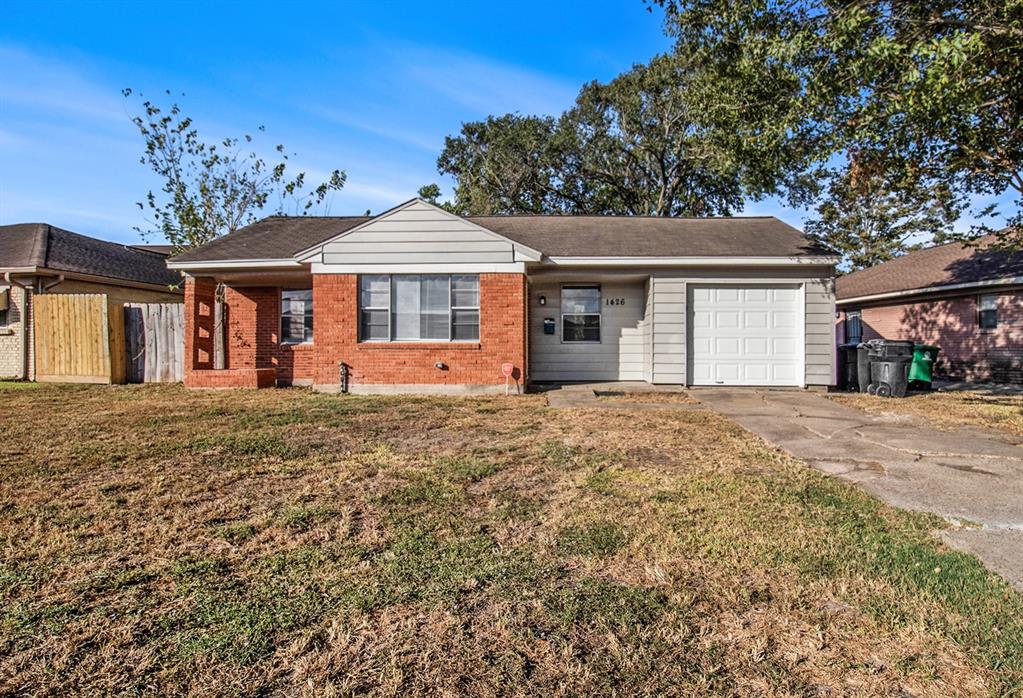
{"x":421,"y":233}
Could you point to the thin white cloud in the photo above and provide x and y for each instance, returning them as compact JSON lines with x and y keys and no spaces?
{"x":33,"y":82}
{"x":395,"y":133}
{"x":484,"y":85}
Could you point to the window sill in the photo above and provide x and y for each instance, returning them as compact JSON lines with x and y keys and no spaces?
{"x":296,"y":345}
{"x":432,"y":346}
{"x":4,"y":331}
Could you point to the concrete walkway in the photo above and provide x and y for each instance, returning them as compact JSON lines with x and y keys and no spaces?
{"x":971,"y":477}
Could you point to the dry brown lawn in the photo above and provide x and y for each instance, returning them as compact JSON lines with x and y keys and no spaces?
{"x":160,"y":541}
{"x":946,"y":410}
{"x":650,"y":397}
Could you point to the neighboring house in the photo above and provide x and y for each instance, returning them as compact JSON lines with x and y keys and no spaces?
{"x":36,"y":258}
{"x":420,"y":300}
{"x":966,"y":300}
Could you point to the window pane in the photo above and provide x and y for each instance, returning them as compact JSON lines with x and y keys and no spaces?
{"x":405,"y":306}
{"x":465,"y":291}
{"x":375,"y":291}
{"x":988,"y":302}
{"x":434,"y":319}
{"x":374,"y":324}
{"x":465,"y":324}
{"x":580,"y":299}
{"x":297,"y":315}
{"x":580,"y":328}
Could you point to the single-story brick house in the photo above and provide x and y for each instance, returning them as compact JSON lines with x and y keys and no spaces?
{"x":38,"y":258}
{"x":417,"y":299}
{"x":966,"y":300}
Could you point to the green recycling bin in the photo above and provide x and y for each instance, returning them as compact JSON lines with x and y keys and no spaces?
{"x":921,"y":371}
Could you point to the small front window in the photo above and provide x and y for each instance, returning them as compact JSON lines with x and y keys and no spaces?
{"x":988,"y":312}
{"x":580,"y":313}
{"x":296,"y":316}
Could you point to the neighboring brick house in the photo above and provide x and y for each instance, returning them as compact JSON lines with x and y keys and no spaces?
{"x":37,"y":258}
{"x":966,"y":300}
{"x":420,"y":300}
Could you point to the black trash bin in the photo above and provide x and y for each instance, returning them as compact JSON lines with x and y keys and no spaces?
{"x":889,"y":377}
{"x":863,"y":367}
{"x":889,"y":367}
{"x":847,"y":378}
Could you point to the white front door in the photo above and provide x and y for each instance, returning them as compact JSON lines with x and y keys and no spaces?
{"x":745,"y":335}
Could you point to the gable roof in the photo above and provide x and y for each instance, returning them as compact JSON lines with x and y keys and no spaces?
{"x":276,"y":237}
{"x":43,"y":246}
{"x":943,"y":265}
{"x":284,"y":237}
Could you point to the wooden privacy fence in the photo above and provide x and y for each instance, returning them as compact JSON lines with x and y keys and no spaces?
{"x":88,"y":338}
{"x":154,"y":342}
{"x":79,"y":338}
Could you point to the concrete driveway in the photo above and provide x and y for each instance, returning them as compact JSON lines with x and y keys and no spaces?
{"x":971,"y":477}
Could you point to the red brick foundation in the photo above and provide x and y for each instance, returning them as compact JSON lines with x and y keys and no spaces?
{"x":232,"y":378}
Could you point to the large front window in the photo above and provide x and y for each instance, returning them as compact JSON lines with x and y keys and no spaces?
{"x":296,"y":316}
{"x":419,"y":307}
{"x":580,"y":313}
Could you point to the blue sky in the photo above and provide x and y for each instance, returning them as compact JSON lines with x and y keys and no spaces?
{"x":368,"y":87}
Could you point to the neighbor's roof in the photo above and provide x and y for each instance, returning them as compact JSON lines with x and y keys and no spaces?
{"x":943,"y":265}
{"x":282,"y":237}
{"x":43,"y":246}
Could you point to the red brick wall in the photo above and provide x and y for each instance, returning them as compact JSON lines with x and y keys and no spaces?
{"x":502,"y":339}
{"x":251,"y":326}
{"x":199,"y":297}
{"x":967,"y":351}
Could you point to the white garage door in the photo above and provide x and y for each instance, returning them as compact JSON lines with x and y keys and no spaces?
{"x":745,"y":335}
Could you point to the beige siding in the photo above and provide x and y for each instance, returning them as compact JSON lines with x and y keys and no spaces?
{"x":820,"y":332}
{"x":669,"y":329}
{"x":419,"y":234}
{"x":621,"y":353}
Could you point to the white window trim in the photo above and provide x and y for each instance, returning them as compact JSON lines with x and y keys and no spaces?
{"x":391,"y":339}
{"x":599,"y":313}
{"x":993,"y":297}
{"x":280,"y":319}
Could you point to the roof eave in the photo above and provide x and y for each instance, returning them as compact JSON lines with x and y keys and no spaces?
{"x":690,"y":261}
{"x":221,"y":264}
{"x":1004,"y":281}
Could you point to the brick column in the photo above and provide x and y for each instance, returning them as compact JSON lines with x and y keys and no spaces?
{"x":199,"y":299}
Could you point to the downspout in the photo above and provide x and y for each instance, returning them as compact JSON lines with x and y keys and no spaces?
{"x":23,"y":315}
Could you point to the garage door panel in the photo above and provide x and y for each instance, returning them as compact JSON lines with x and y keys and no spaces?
{"x":728,"y":346}
{"x":756,"y":319}
{"x":727,"y":319}
{"x":745,"y":335}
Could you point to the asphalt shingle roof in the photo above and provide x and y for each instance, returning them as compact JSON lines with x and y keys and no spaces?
{"x":47,"y":247}
{"x":281,"y":237}
{"x":942,"y":265}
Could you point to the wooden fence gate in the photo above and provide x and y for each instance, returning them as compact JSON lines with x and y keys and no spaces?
{"x":79,"y":338}
{"x":154,"y":342}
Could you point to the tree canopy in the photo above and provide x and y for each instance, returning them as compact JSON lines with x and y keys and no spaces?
{"x":922,"y":94}
{"x":211,"y":189}
{"x":653,"y":141}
